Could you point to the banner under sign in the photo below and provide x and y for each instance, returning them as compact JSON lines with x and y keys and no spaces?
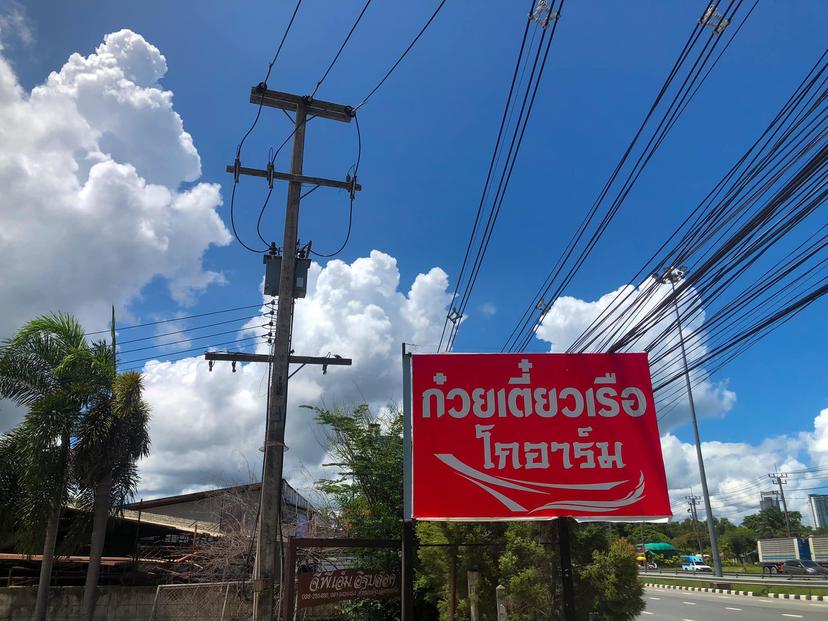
{"x":534,"y":436}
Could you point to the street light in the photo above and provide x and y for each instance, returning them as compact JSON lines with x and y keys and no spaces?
{"x":674,"y":275}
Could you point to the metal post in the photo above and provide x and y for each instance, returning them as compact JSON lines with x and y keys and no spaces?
{"x":452,"y":586}
{"x":289,"y":592}
{"x":409,"y":549}
{"x":267,"y":566}
{"x":566,"y":569}
{"x":408,"y":539}
{"x":224,"y":605}
{"x":672,"y":275}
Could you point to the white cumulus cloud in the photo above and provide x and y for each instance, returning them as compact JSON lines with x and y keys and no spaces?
{"x":207,"y":427}
{"x":91,"y":165}
{"x":738,"y":471}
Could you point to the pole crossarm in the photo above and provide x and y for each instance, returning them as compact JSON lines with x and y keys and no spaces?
{"x":232,"y":356}
{"x":349,"y":184}
{"x":313,"y":107}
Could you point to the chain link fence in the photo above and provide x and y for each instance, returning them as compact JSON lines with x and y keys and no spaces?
{"x":211,"y":601}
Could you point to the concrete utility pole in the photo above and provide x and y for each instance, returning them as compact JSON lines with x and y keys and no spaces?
{"x":692,"y":500}
{"x":674,"y":275}
{"x":781,"y":478}
{"x":472,"y":577}
{"x":267,"y":569}
{"x":500,"y":595}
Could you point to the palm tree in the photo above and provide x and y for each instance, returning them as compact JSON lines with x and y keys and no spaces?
{"x":39,"y":370}
{"x":111,"y":437}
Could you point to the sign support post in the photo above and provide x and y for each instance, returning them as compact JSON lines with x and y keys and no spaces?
{"x":565,"y":552}
{"x":408,"y":540}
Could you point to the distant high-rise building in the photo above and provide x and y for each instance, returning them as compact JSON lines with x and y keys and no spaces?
{"x":818,"y":503}
{"x":768,"y":500}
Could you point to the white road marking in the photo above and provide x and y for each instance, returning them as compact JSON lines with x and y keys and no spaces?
{"x":656,"y":598}
{"x":644,"y":612}
{"x":729,"y":608}
{"x":785,"y":614}
{"x":689,"y":603}
{"x":687,"y":620}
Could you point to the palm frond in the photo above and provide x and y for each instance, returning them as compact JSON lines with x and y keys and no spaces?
{"x":61,"y":327}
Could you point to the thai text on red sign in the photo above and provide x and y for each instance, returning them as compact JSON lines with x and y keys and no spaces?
{"x":533,"y":436}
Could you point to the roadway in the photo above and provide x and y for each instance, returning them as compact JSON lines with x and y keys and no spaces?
{"x":674,"y":605}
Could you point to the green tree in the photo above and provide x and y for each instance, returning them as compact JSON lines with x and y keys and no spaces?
{"x":367,"y":491}
{"x":366,"y":495}
{"x":739,"y":541}
{"x":770,"y":522}
{"x":475,"y":548}
{"x":39,"y":370}
{"x":610,"y":583}
{"x":529,"y":571}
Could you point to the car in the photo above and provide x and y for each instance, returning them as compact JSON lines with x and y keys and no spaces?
{"x":695,"y":566}
{"x":804,"y":568}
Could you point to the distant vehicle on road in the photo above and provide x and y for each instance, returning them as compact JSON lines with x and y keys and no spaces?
{"x":695,"y":566}
{"x":804,"y":568}
{"x":795,"y":567}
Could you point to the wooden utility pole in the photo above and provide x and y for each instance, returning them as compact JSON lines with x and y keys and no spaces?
{"x":267,"y":570}
{"x":269,"y":540}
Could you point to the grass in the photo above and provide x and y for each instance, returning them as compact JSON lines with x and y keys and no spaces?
{"x":743,"y":569}
{"x":758,"y":589}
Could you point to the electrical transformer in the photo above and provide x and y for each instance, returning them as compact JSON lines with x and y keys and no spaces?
{"x":273,"y":267}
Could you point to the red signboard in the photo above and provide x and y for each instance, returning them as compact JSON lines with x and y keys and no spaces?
{"x":534,"y":436}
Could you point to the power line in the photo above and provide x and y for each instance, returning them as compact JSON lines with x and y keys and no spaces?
{"x":778,"y":183}
{"x":341,"y":47}
{"x":195,"y":349}
{"x":504,"y":175}
{"x":351,"y":196}
{"x":494,"y":158}
{"x":512,"y":153}
{"x":525,"y":328}
{"x":189,"y":339}
{"x":161,"y":321}
{"x":262,"y":86}
{"x":194,"y":328}
{"x":402,"y":56}
{"x":267,"y":75}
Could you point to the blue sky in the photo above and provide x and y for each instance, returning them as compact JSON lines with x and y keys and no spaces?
{"x":428,"y":133}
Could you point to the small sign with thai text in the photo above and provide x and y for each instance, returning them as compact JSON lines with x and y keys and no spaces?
{"x":326,"y":587}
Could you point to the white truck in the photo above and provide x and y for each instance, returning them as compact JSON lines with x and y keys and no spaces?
{"x":819,"y":550}
{"x":695,"y":566}
{"x":774,"y":552}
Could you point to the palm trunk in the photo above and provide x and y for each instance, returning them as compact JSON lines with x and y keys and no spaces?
{"x":103,"y":493}
{"x":42,"y":604}
{"x":46,"y":565}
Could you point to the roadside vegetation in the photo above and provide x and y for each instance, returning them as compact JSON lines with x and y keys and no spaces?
{"x":366,"y":496}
